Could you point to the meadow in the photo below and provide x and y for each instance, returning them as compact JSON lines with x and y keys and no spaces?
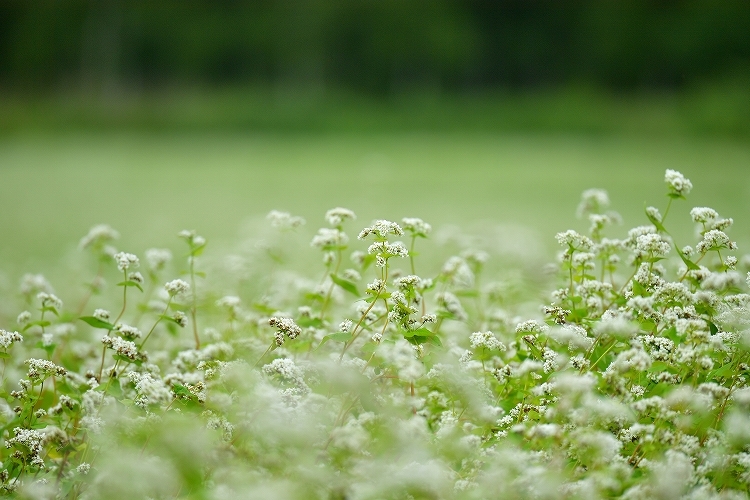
{"x":191,"y":314}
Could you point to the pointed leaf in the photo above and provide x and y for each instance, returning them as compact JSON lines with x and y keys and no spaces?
{"x":656,"y":222}
{"x":97,"y":323}
{"x":336,"y":337}
{"x":689,"y":263}
{"x":130,"y":283}
{"x":347,"y":285}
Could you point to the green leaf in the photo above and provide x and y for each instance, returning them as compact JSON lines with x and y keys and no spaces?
{"x":314,"y":322}
{"x":420,"y":332}
{"x":180,"y":390}
{"x":347,"y":285}
{"x":336,"y":337}
{"x":195,"y":252}
{"x":124,"y":359}
{"x":4,"y":355}
{"x":689,"y":263}
{"x":639,"y":289}
{"x":435,"y":340}
{"x":657,"y":223}
{"x":97,"y":323}
{"x":721,"y":372}
{"x":130,"y":283}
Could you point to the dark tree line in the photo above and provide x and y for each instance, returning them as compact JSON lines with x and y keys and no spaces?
{"x":376,"y":46}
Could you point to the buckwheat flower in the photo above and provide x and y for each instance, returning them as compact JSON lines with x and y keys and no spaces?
{"x":408,"y":281}
{"x":386,"y":249}
{"x":42,"y":368}
{"x":715,"y":240}
{"x":722,"y":281}
{"x":288,"y":371}
{"x":101,"y":314}
{"x":451,"y":304}
{"x":574,"y":240}
{"x":584,"y":260}
{"x":287,"y":326}
{"x":677,"y":183}
{"x":328,"y":238}
{"x":688,"y":251}
{"x":30,"y":442}
{"x":158,"y":258}
{"x":83,"y":469}
{"x":123,"y":347}
{"x":592,"y":201}
{"x":8,"y":338}
{"x":416,"y":226}
{"x":128,"y":332}
{"x":654,"y":213}
{"x":486,"y":340}
{"x":381,"y":229}
{"x":731,"y":262}
{"x":429,"y":318}
{"x":651,"y":244}
{"x":531,"y":326}
{"x":126,"y":261}
{"x":136,"y":277}
{"x":98,"y":235}
{"x":721,"y":224}
{"x":703,"y":214}
{"x":284,"y":220}
{"x":49,"y":300}
{"x":176,"y":287}
{"x":747,"y":279}
{"x":32,"y":283}
{"x":376,"y":286}
{"x":351,"y":275}
{"x":23,"y":318}
{"x":229,"y":301}
{"x":346,"y":326}
{"x":336,"y":216}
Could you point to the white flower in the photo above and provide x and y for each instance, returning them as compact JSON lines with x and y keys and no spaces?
{"x":703,"y":214}
{"x":336,"y":216}
{"x":592,"y":201}
{"x":652,"y":244}
{"x":126,"y":261}
{"x":574,"y":239}
{"x":677,"y":183}
{"x":416,"y":226}
{"x":42,"y":368}
{"x":328,"y":238}
{"x":128,"y":332}
{"x":98,"y":235}
{"x":49,"y":300}
{"x":381,"y":229}
{"x":176,"y":287}
{"x":284,"y":220}
{"x":715,"y":240}
{"x":386,"y":249}
{"x":23,"y":318}
{"x":101,"y":314}
{"x":158,"y":258}
{"x":287,"y":326}
{"x":122,"y":347}
{"x":8,"y":338}
{"x":486,"y":340}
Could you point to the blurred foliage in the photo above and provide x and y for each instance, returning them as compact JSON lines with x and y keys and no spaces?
{"x":373,"y":46}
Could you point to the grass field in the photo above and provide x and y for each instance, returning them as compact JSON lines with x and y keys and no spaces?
{"x":149,"y":186}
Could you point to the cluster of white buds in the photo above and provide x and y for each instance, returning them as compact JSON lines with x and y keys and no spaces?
{"x":284,"y":326}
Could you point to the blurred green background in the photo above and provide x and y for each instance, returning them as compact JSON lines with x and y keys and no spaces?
{"x":159,"y":116}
